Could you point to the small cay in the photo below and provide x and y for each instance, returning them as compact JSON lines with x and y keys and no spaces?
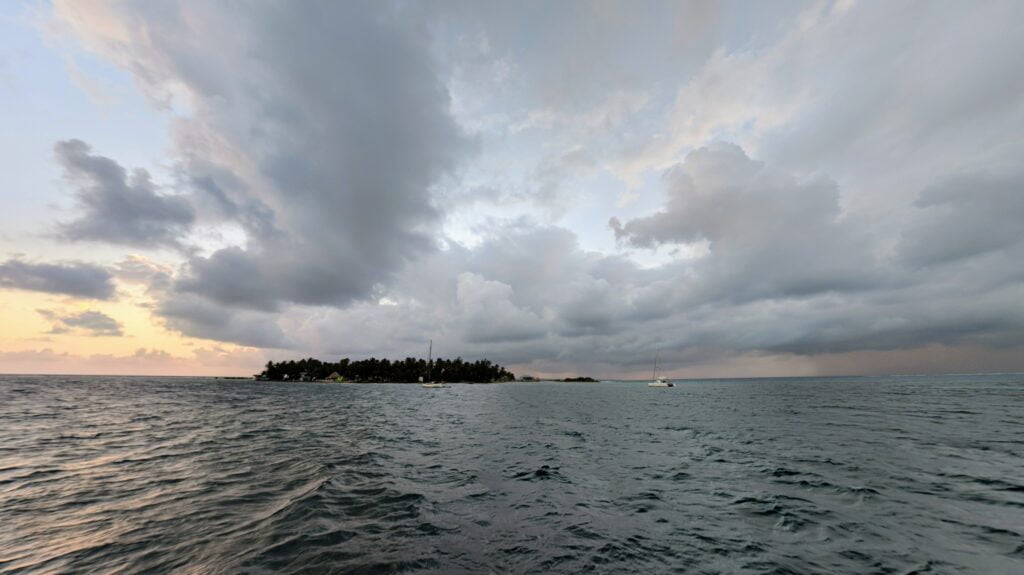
{"x":373,"y":370}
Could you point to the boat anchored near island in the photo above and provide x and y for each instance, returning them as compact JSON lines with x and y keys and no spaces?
{"x":659,"y":380}
{"x":429,"y":382}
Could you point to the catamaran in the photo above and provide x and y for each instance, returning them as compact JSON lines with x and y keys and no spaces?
{"x":430,"y":365}
{"x":659,"y":380}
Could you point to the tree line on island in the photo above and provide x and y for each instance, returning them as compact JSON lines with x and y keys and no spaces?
{"x":375,"y":370}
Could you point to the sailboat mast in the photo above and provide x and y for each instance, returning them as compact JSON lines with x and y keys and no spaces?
{"x":430,"y":361}
{"x":654,"y":374}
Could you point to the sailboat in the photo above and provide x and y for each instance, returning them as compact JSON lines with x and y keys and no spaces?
{"x":659,"y":380}
{"x":430,"y":365}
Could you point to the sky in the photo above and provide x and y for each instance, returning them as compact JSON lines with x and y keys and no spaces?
{"x":571,"y":188}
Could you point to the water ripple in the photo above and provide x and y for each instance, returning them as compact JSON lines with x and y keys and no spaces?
{"x":841,"y":475}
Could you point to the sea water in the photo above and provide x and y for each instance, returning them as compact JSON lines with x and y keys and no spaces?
{"x":819,"y":475}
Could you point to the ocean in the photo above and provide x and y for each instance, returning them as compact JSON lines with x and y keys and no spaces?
{"x":814,"y":475}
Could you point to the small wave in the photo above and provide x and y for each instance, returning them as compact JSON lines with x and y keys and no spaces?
{"x":166,"y":476}
{"x":542,"y":473}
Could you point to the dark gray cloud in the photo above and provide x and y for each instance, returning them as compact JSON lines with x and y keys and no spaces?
{"x":321,"y":130}
{"x":769,"y":234}
{"x":965,"y":216}
{"x":324,"y":132}
{"x":198,"y":317}
{"x":72,"y":278}
{"x":91,"y":322}
{"x":221,"y":196}
{"x":786,"y":275}
{"x":116,"y":207}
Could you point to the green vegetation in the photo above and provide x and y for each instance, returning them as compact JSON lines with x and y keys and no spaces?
{"x":375,"y":370}
{"x":580,"y":379}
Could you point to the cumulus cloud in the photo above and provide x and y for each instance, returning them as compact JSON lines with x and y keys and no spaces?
{"x":72,"y":278}
{"x":90,"y":322}
{"x":198,"y":317}
{"x":879,"y":218}
{"x":786,"y":276}
{"x":769,"y":234}
{"x":965,"y":216}
{"x":332,"y":116}
{"x":116,"y":207}
{"x":488,"y":314}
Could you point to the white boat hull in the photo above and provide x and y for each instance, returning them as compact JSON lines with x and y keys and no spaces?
{"x":433,"y":385}
{"x":660,"y":384}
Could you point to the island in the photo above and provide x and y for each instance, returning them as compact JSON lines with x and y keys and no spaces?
{"x":580,"y":380}
{"x":373,"y":370}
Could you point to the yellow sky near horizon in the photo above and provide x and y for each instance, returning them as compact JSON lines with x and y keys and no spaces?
{"x":28,"y":343}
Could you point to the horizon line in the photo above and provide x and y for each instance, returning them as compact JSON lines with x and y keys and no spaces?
{"x":599,"y":379}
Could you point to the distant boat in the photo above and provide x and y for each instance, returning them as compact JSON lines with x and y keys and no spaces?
{"x":430,"y":364}
{"x":659,"y":380}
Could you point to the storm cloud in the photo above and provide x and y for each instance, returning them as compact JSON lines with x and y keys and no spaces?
{"x":333,"y":116}
{"x":575,"y":187}
{"x":75,"y":279}
{"x":768,"y":233}
{"x":966,"y":216}
{"x":116,"y":207}
{"x":198,"y":317}
{"x":784,"y":275}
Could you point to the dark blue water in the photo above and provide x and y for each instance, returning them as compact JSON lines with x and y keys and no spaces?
{"x":858,"y":475}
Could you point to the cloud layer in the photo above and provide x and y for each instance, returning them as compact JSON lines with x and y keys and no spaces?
{"x":72,"y":278}
{"x":330,"y":121}
{"x":90,"y":322}
{"x":568,"y":188}
{"x":118,"y":208}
